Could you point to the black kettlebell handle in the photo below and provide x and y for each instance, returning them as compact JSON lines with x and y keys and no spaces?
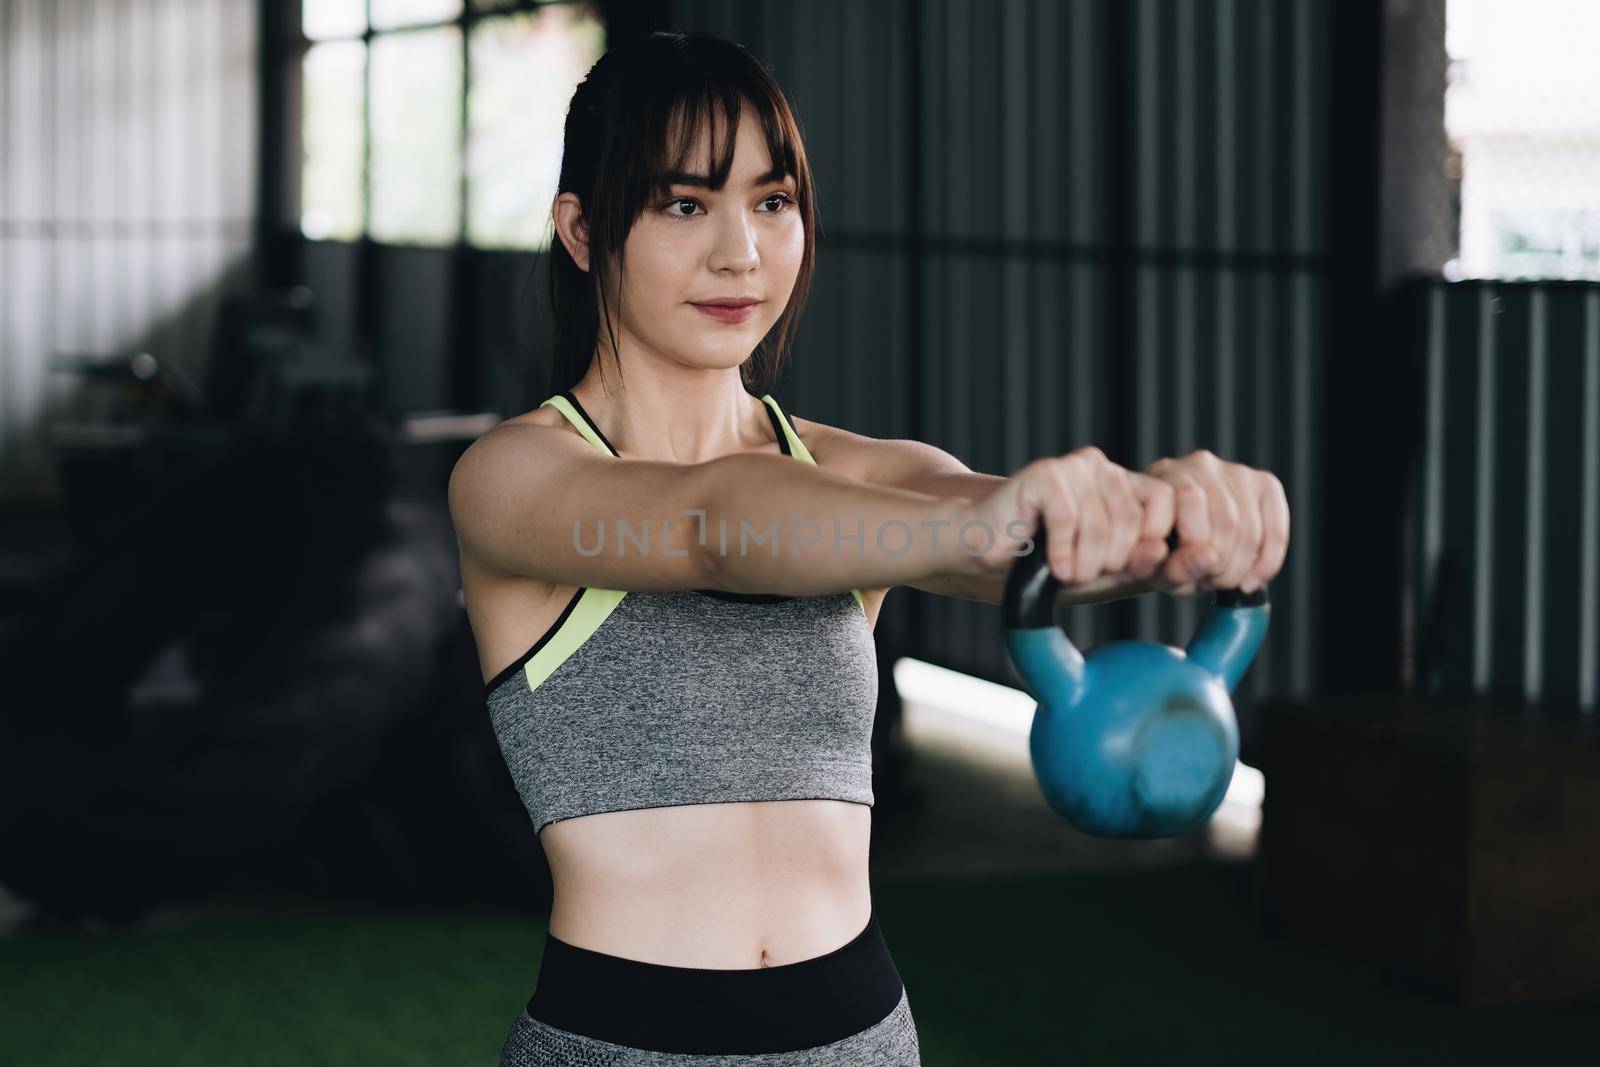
{"x":1031,"y":589}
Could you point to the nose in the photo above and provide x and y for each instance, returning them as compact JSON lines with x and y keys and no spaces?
{"x":735,"y":248}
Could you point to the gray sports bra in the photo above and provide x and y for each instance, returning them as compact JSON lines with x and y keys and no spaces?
{"x":644,"y":700}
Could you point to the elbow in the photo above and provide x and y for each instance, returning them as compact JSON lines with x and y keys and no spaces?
{"x":708,"y":565}
{"x":721,"y":494}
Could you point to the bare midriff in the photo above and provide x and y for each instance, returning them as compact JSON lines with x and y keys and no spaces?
{"x":727,"y":886}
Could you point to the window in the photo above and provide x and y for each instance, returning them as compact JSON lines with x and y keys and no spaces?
{"x":439,"y":121}
{"x":334,"y":78}
{"x":414,"y":126}
{"x":1523,"y":115}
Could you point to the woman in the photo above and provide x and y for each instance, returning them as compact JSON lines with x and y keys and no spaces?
{"x":689,"y":724}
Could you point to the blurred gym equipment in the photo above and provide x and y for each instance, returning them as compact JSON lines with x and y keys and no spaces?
{"x":256,"y":669}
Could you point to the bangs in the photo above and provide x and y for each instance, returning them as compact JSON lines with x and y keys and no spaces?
{"x":690,"y":88}
{"x":714,"y":111}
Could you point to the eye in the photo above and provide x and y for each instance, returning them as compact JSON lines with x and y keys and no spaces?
{"x":675,"y":202}
{"x":785,"y":202}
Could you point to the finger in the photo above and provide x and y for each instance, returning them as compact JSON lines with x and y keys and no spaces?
{"x":1275,"y":537}
{"x":1195,"y":557}
{"x":1127,"y":516}
{"x":1238,"y":482}
{"x":1222,"y":515}
{"x":1058,"y":505}
{"x":1094,"y":521}
{"x":1171,"y":569}
{"x":1172,"y":577}
{"x":1194,"y":512}
{"x":1159,"y":501}
{"x":1146,"y":557}
{"x":1180,"y":568}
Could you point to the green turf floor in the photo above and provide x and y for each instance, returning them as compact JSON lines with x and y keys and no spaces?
{"x":1160,"y":966}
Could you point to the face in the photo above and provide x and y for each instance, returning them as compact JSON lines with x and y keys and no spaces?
{"x":697,"y":245}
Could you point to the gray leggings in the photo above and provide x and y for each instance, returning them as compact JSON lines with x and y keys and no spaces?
{"x":891,"y":1042}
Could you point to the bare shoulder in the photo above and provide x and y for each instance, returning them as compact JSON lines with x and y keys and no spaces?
{"x":506,"y":448}
{"x":548,"y":417}
{"x":879,"y":460}
{"x":509,"y":467}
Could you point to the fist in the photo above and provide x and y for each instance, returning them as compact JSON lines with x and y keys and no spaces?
{"x":1232,"y":528}
{"x":1104,"y":523}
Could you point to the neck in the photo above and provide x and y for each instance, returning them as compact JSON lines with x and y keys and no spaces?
{"x":675,"y":418}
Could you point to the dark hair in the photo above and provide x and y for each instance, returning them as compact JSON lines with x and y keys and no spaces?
{"x":615,"y":157}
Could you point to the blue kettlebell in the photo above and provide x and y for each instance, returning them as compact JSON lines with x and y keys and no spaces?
{"x":1139,"y":739}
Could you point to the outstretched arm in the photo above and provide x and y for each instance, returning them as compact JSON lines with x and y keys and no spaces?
{"x":1231,"y":520}
{"x":931,"y":471}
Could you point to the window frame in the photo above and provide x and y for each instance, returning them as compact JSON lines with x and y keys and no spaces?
{"x":292,"y":56}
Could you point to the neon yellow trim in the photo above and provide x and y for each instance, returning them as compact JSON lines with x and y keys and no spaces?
{"x":798,"y":449}
{"x":593,"y":604}
{"x":796,"y":446}
{"x":561,"y":404}
{"x":593,"y":607}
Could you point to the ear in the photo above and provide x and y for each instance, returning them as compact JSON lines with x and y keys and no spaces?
{"x":572,"y":229}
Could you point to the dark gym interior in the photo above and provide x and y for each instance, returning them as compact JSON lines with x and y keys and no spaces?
{"x":267,"y":269}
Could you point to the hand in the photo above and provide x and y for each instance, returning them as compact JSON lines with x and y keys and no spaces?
{"x":1100,"y":519}
{"x":1233,"y":525}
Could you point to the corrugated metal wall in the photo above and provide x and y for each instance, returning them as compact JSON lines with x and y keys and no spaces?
{"x":128,"y":130}
{"x":1506,"y":547}
{"x":1229,"y":132}
{"x":1047,"y":224}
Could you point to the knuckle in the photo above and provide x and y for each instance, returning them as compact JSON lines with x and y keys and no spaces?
{"x":1063,"y":517}
{"x":1228,"y":512}
{"x":1056,"y":540}
{"x":1041,"y":467}
{"x":1093,"y":523}
{"x":1049,"y":474}
{"x":1253,"y":541}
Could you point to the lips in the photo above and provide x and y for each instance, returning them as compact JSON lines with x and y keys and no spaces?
{"x":729,"y":313}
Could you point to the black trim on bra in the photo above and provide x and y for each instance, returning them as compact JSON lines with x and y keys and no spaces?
{"x":777,"y":428}
{"x":522,"y":661}
{"x":772,"y":416}
{"x":585,"y":416}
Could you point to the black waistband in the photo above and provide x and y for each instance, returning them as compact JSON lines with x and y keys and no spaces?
{"x":708,"y":1010}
